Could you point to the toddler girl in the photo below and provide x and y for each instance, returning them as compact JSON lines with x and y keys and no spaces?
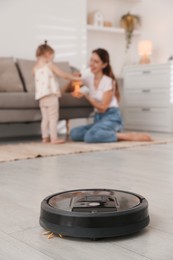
{"x":47,"y":91}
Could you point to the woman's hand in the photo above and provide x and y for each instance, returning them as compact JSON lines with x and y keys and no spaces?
{"x":101,"y":106}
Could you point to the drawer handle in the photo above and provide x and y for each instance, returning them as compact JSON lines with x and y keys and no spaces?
{"x":146,"y":90}
{"x":146,"y":109}
{"x":146,"y":71}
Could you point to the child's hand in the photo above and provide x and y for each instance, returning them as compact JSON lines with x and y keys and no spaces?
{"x":77,"y":74}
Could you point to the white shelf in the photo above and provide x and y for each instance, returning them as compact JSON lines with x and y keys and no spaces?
{"x":109,"y":29}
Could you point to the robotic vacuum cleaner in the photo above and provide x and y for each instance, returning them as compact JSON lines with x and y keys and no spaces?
{"x":94,"y":213}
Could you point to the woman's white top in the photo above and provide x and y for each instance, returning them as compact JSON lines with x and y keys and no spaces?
{"x":45,"y":83}
{"x":105,"y":84}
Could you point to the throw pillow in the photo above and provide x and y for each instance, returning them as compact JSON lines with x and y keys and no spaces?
{"x":25,"y":69}
{"x":9,"y":76}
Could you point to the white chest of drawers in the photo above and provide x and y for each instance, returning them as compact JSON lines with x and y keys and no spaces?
{"x":148,"y":97}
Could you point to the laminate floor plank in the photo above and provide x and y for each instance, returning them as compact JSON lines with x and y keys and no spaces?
{"x":82,"y":249}
{"x":146,"y":170}
{"x":13,"y":249}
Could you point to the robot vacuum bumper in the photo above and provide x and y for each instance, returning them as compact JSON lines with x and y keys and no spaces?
{"x":94,"y":213}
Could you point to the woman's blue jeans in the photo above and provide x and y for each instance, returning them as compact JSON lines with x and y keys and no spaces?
{"x":103,"y":130}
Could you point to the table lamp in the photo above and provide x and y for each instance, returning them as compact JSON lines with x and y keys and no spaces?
{"x":145,"y":51}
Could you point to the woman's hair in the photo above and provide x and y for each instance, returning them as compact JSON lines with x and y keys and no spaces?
{"x":44,"y":48}
{"x":104,"y":56}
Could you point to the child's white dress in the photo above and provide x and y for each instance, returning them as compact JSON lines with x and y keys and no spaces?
{"x":45,"y":83}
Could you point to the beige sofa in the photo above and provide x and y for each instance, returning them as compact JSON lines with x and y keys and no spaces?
{"x":17,"y":103}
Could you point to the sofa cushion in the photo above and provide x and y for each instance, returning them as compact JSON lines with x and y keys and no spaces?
{"x":20,"y":115}
{"x":26,"y":68}
{"x":9,"y":76}
{"x":17,"y":101}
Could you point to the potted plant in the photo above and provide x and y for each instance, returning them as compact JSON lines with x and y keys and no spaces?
{"x":129,"y":22}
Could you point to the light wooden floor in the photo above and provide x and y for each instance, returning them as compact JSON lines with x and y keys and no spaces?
{"x":146,"y":170}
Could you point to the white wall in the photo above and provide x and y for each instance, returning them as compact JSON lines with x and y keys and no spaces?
{"x":25,"y":24}
{"x":156,"y":25}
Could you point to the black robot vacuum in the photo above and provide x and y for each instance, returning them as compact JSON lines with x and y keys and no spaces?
{"x":94,"y":213}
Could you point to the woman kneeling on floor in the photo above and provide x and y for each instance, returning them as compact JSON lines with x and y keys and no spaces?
{"x":103,"y":94}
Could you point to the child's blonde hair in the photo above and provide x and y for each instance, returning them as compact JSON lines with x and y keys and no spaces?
{"x":44,"y":48}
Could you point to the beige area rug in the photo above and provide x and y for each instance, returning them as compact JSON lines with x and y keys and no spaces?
{"x":20,"y":151}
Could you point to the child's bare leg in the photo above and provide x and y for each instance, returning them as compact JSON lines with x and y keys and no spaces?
{"x":133,"y":136}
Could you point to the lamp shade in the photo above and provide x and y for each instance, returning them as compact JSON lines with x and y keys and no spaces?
{"x":145,"y":48}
